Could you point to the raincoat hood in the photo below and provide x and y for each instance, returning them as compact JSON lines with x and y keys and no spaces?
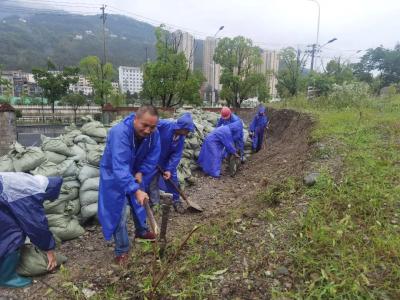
{"x":262,"y":110}
{"x":185,"y":122}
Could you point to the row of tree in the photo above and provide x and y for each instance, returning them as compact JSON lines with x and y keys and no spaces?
{"x":379,"y":67}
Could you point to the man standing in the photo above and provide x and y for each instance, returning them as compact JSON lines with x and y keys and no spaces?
{"x":130,"y":158}
{"x":257,"y":128}
{"x":227,"y":117}
{"x":22,"y":215}
{"x":172,"y":137}
{"x":218,"y":141}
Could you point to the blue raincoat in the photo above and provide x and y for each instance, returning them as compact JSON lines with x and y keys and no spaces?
{"x":233,"y":118}
{"x":171,"y":149}
{"x":121,"y":160}
{"x":257,"y":128}
{"x":21,"y":210}
{"x":221,"y":139}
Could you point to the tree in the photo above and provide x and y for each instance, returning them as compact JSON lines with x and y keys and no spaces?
{"x":100,"y":76}
{"x":291,"y":79}
{"x":75,"y":100}
{"x":55,"y":84}
{"x":117,"y":99}
{"x":339,"y":71}
{"x":380,"y":60}
{"x":5,"y":86}
{"x":238,"y":59}
{"x":169,"y":79}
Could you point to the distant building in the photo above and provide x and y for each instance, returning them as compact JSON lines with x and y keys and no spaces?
{"x":269,"y":67}
{"x":185,"y":44}
{"x":83,"y":86}
{"x":212,"y":76}
{"x":20,"y":83}
{"x":130,"y":79}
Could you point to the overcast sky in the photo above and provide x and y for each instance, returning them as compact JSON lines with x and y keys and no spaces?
{"x":271,"y":24}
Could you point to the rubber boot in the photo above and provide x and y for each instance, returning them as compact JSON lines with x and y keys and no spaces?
{"x":8,"y":274}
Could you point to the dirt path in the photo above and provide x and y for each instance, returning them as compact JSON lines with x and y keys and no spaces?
{"x":286,"y":155}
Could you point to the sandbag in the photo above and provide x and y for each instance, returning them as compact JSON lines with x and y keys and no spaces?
{"x":69,"y":137}
{"x":55,"y":207}
{"x":33,"y":261}
{"x":68,"y":193}
{"x":77,"y":153}
{"x":88,"y":197}
{"x":93,"y":157}
{"x":71,"y":170}
{"x":51,"y":169}
{"x":89,"y":211}
{"x":71,"y":231}
{"x":6,"y":164}
{"x":91,"y":184}
{"x":94,"y":129}
{"x":87,"y":172}
{"x":56,"y":145}
{"x":73,"y":207}
{"x":84,"y":139}
{"x":59,"y":220}
{"x":26,"y":159}
{"x":54,"y":157}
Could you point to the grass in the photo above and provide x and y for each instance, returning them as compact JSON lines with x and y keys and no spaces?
{"x":347,"y":246}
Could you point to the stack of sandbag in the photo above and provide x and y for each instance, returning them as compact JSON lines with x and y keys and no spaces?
{"x":205,"y":122}
{"x":75,"y":156}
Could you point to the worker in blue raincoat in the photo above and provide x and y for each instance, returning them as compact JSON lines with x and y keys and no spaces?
{"x":172,"y":137}
{"x":227,"y":117}
{"x":218,"y":141}
{"x":258,"y":127}
{"x":22,"y":215}
{"x":128,"y":163}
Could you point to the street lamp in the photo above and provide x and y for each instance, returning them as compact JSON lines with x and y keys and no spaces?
{"x":316,"y":44}
{"x":214,"y":91}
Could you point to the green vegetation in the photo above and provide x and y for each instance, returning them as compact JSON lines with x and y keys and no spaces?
{"x":100,"y":76}
{"x":54,"y":83}
{"x":168,"y":79}
{"x":347,"y":245}
{"x":239,"y":60}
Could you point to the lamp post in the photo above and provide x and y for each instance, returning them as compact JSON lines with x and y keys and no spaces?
{"x":214,"y":91}
{"x":314,"y":46}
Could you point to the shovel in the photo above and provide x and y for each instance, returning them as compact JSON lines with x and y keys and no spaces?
{"x":192,"y":206}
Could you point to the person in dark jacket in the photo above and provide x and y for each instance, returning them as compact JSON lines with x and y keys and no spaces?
{"x":172,"y":137}
{"x":218,"y":142}
{"x":126,"y":168}
{"x":22,"y":215}
{"x":258,"y":127}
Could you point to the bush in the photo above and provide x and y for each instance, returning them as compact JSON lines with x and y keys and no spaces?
{"x":354,"y":94}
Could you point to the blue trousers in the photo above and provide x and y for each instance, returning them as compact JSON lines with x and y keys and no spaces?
{"x":121,"y":237}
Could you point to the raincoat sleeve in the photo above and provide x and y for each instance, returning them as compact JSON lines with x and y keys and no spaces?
{"x":149,"y":165}
{"x":121,"y":157}
{"x":30,"y":215}
{"x":253,"y":125}
{"x":175,"y":157}
{"x":227,"y":141}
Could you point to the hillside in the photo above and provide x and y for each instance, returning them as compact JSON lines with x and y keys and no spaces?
{"x":28,"y":39}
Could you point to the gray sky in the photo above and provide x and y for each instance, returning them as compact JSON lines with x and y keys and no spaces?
{"x":271,"y":24}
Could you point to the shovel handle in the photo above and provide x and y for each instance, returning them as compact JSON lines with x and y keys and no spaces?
{"x":176,"y":187}
{"x":152,"y":220}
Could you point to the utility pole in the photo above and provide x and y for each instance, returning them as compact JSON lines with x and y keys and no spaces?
{"x":313,"y":49}
{"x":103,"y":17}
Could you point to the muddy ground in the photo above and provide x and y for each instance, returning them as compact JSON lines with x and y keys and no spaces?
{"x":251,"y":271}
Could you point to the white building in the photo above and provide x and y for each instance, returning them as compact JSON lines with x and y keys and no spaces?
{"x":185,"y":44}
{"x":82,"y":86}
{"x":269,"y":67}
{"x":130,"y":79}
